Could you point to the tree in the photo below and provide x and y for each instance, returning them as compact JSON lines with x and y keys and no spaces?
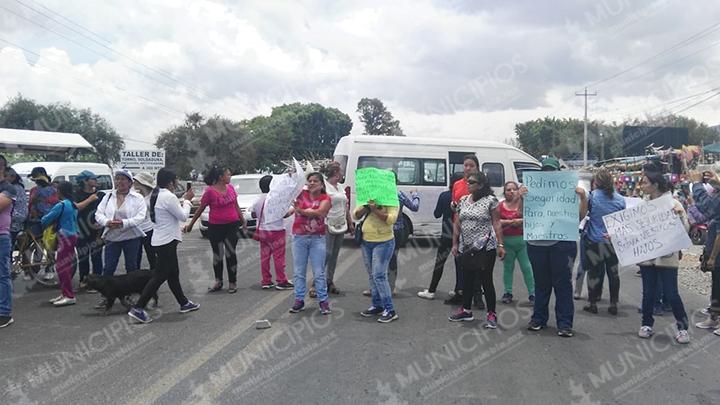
{"x":377,"y":119}
{"x":22,"y":113}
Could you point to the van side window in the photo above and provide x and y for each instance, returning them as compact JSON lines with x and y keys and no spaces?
{"x":495,"y":173}
{"x":521,"y":167}
{"x":456,"y":161}
{"x":434,"y":172}
{"x":407,"y":169}
{"x":58,"y":178}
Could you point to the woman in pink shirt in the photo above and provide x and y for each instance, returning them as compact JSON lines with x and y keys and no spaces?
{"x":225,"y":220}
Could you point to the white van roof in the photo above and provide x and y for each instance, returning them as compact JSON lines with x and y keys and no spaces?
{"x":423,"y":141}
{"x":28,"y":141}
{"x":52,"y":167}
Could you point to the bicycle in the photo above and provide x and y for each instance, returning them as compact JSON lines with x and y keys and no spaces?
{"x":32,"y":258}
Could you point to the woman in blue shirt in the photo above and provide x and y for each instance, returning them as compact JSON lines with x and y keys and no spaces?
{"x":64,"y":214}
{"x":600,"y":257}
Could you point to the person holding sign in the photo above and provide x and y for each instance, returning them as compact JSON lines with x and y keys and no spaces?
{"x":311,"y":207}
{"x":553,"y":259}
{"x":663,"y":269}
{"x":599,"y":253}
{"x":477,"y":239}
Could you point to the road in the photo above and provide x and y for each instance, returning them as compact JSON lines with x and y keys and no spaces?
{"x":215,"y":355}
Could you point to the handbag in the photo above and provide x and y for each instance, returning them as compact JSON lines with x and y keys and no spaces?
{"x":336,"y":226}
{"x":50,"y":233}
{"x":359,"y":231}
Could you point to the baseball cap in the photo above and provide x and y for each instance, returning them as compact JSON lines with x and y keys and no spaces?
{"x":86,"y":175}
{"x":551,"y":162}
{"x":124,"y":172}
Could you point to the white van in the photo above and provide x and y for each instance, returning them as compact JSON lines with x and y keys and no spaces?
{"x":66,"y":171}
{"x":426,"y":164}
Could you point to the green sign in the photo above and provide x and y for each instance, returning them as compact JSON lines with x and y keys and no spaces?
{"x":377,"y":185}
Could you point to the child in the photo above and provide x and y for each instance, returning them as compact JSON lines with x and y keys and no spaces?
{"x":272,"y":242}
{"x":64,"y":214}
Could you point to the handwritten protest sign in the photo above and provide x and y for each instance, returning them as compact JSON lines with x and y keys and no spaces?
{"x":551,"y":207}
{"x":377,"y":185}
{"x":646,"y":231}
{"x":283,"y":190}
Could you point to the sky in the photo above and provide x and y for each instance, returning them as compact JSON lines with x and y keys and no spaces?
{"x":455,"y":68}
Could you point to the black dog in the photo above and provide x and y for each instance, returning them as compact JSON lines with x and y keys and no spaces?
{"x":120,"y":287}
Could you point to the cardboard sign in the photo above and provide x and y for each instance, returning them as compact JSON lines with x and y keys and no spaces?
{"x":551,"y":207}
{"x":372,"y":184}
{"x":283,"y":191}
{"x":646,"y":231}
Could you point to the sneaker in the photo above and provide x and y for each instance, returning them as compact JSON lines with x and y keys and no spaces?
{"x":297,"y":307}
{"x":64,"y":301}
{"x":426,"y":294}
{"x":267,"y":286}
{"x":565,"y":333}
{"x":592,"y":308}
{"x":367,"y":293}
{"x":534,"y":326}
{"x":56,"y":299}
{"x":372,"y":311}
{"x":531,"y":299}
{"x":645,"y":332}
{"x":325,"y":308}
{"x":705,"y":311}
{"x":455,"y":300}
{"x":6,"y":321}
{"x":189,"y":307}
{"x":285,"y":286}
{"x":48,"y":276}
{"x":708,"y":324}
{"x":451,"y":293}
{"x":82,"y":285}
{"x":716,"y":331}
{"x":461,"y":316}
{"x":506,"y":298}
{"x":682,"y":337}
{"x":139,"y":315}
{"x":491,"y":322}
{"x":387,"y":316}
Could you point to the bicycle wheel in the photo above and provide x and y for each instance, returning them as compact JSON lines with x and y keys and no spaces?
{"x":41,"y":263}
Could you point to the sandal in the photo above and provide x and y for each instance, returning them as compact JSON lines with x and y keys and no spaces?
{"x":312,"y":293}
{"x":232,"y":288}
{"x":217,"y":287}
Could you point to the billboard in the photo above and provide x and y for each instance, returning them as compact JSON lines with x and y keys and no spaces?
{"x":142,"y":160}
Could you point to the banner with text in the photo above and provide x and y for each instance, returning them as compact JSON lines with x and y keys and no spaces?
{"x":146,"y":160}
{"x":551,"y":207}
{"x":372,"y":184}
{"x":283,"y":190}
{"x":646,"y":231}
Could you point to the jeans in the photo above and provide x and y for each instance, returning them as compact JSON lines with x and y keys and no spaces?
{"x":272,"y":244}
{"x":149,"y":251}
{"x":668,"y":277}
{"x":376,"y":256}
{"x":64,"y":263}
{"x":128,"y":248}
{"x":309,"y":248}
{"x":334,"y":243}
{"x":223,"y":240}
{"x":516,"y":249}
{"x":167,"y":270}
{"x":5,"y":280}
{"x":600,"y":258}
{"x":478,"y":271}
{"x":89,"y":250}
{"x":552,"y":271}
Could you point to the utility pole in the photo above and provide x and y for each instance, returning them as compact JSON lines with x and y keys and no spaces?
{"x":602,"y":147}
{"x":585,"y":94}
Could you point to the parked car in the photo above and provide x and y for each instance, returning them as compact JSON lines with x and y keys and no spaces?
{"x":248,"y":190}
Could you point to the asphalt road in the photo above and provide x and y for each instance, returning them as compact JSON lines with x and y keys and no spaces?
{"x":215,"y":355}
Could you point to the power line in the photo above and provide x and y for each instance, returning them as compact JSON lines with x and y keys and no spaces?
{"x":161,"y":72}
{"x":83,"y":46}
{"x":698,"y":103}
{"x":74,"y":23}
{"x":702,"y":33}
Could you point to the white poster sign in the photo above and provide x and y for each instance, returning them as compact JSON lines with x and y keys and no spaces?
{"x":146,"y":160}
{"x":646,"y":231}
{"x":283,"y":191}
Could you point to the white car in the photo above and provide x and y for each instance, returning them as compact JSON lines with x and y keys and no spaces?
{"x":247,"y":188}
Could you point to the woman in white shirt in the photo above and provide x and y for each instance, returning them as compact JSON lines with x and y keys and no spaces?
{"x":168,"y":216}
{"x":121,"y":212}
{"x":338,"y":223}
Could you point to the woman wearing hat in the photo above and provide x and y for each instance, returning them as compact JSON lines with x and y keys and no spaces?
{"x":144,"y":184}
{"x":89,"y":244}
{"x":121,"y":212}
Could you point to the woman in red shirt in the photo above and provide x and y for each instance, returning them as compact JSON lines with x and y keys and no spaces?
{"x":515,"y":246}
{"x":311,"y":208}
